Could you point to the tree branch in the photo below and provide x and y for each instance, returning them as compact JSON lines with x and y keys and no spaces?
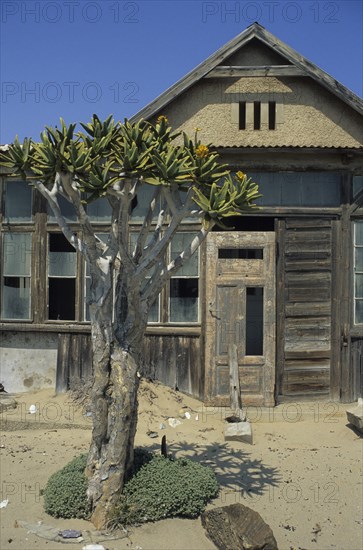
{"x":51,"y":197}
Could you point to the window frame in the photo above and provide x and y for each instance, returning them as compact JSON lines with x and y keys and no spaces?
{"x":356,"y":272}
{"x":19,"y":231}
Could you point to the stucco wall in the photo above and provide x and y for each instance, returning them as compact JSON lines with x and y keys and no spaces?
{"x":312,"y":116}
{"x":27,"y":360}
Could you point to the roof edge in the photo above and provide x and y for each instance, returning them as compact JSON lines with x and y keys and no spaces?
{"x":253,"y":31}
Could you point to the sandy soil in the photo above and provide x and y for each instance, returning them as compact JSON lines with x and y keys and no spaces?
{"x":302,"y":473}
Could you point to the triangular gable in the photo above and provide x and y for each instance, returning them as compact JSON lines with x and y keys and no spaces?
{"x":218,"y":61}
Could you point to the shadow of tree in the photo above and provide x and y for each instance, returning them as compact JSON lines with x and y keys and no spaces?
{"x":236,"y":470}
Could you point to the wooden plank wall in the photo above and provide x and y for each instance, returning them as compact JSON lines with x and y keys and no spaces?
{"x":357,"y":367}
{"x":173,"y":360}
{"x":307,"y":265}
{"x":74,"y":360}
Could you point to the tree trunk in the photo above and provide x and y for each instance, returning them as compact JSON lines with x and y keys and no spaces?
{"x":114,"y":413}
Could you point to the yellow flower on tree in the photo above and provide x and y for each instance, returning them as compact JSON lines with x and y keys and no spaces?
{"x":202,"y":151}
{"x":240,"y":175}
{"x":161,"y":119}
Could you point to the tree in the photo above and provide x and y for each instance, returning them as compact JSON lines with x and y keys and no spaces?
{"x":114,"y":160}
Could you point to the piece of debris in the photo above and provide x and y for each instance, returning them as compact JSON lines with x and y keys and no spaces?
{"x":4,"y":503}
{"x":355,"y":415}
{"x":162,"y":426}
{"x":93,"y":547}
{"x":153,"y":435}
{"x":70,"y":534}
{"x":188,"y":415}
{"x":32,"y":409}
{"x":174,"y":422}
{"x":238,"y":431}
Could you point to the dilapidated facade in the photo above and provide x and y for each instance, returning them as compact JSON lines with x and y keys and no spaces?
{"x":285,"y":285}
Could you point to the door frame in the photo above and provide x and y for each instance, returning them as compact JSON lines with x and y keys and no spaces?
{"x":256,"y":273}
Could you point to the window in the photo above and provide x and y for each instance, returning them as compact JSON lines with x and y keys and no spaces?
{"x":254,"y":321}
{"x":17,"y":253}
{"x":184,"y":287}
{"x":66,"y":208}
{"x":18,"y":201}
{"x":62,"y":272}
{"x":357,"y":185}
{"x":240,"y":254}
{"x":99,"y":211}
{"x":358,"y":272}
{"x":300,"y":189}
{"x":154,"y":312}
{"x":142,"y":202}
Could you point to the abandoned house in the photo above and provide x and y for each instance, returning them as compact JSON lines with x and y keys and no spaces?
{"x":285,"y":284}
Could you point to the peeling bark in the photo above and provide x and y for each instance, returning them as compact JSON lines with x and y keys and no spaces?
{"x":114,"y":407}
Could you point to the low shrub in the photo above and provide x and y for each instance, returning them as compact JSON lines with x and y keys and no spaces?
{"x":65,"y":493}
{"x":166,"y":488}
{"x":159,"y":488}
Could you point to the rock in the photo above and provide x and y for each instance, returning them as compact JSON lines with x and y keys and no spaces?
{"x":174,"y":422}
{"x":237,"y":527}
{"x":355,"y":415}
{"x":238,"y":431}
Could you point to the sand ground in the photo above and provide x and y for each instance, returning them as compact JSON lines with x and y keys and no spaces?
{"x":302,"y":473}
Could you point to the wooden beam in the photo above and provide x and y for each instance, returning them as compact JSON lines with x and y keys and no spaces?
{"x":262,"y":70}
{"x":235,"y":392}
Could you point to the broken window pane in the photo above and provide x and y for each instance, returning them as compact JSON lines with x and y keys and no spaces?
{"x":184,"y":300}
{"x":254,"y":321}
{"x":62,"y":272}
{"x":179,"y":243}
{"x":62,"y":299}
{"x":62,"y":257}
{"x":18,"y":201}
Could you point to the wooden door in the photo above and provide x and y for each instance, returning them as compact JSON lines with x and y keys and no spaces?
{"x":240,"y":298}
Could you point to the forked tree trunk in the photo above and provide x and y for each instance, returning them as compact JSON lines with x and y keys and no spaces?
{"x":114,"y":413}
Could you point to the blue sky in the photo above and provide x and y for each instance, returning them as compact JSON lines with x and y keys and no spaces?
{"x":73,"y":58}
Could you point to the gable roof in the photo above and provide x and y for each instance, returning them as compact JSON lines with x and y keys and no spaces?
{"x":254,"y":31}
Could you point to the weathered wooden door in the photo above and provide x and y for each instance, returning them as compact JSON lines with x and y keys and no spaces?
{"x":240,"y":309}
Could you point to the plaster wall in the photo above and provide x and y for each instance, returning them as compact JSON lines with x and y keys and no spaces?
{"x":310,"y":116}
{"x":28,"y":361}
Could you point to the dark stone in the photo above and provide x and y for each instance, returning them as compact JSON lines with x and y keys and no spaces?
{"x":237,"y":527}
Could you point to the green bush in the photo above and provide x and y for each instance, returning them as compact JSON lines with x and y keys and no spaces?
{"x":65,"y":493}
{"x":159,"y":488}
{"x":166,"y":488}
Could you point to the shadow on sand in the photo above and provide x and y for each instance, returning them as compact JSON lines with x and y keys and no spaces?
{"x":236,"y":471}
